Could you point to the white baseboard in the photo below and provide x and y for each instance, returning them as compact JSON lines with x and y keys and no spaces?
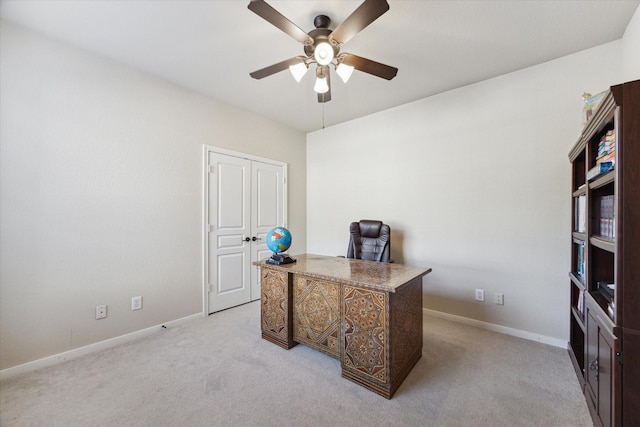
{"x":103,"y":345}
{"x":91,"y":348}
{"x":498,"y":328}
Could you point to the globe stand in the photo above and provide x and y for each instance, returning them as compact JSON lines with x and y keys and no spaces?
{"x":279,"y":259}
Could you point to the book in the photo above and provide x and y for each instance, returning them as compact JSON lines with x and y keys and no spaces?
{"x":606,"y":153}
{"x":606,"y":158}
{"x":599,"y":168}
{"x":580,"y":267}
{"x":580,"y":304}
{"x":580,"y":220}
{"x":607,"y":217}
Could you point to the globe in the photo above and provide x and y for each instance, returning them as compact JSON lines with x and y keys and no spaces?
{"x":278,"y":239}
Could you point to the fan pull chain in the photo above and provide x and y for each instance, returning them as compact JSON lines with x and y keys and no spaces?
{"x":323,"y":110}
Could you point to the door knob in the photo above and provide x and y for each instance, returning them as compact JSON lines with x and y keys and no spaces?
{"x":254,"y":238}
{"x":246,"y":239}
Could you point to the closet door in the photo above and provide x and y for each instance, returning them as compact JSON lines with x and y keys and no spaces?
{"x":229,"y":239}
{"x":267,"y":211}
{"x":244,"y":199}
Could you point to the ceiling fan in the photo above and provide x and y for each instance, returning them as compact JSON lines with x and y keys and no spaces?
{"x":322,"y":46}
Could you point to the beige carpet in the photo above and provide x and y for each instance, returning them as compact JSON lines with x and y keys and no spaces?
{"x":219,"y":372}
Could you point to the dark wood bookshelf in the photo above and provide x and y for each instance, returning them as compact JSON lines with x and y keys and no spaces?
{"x":604,"y":312}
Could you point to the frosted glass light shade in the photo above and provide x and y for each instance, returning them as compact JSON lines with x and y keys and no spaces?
{"x":323,"y":53}
{"x":344,"y":71}
{"x":321,"y":85}
{"x":298,"y":70}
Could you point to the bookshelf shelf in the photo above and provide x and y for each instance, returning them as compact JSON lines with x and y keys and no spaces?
{"x":579,"y":236}
{"x":577,"y":281}
{"x":603,"y":243}
{"x":604,"y":320}
{"x":580,"y":192}
{"x":608,"y":178}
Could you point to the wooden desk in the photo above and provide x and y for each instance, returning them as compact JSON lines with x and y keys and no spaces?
{"x":366,"y":314}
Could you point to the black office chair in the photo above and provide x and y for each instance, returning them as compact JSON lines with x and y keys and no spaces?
{"x":370,"y":240}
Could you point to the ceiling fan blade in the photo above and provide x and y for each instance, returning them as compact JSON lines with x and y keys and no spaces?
{"x":364,"y":15}
{"x":326,"y":97}
{"x":275,"y":68}
{"x":269,"y":14}
{"x":368,"y":66}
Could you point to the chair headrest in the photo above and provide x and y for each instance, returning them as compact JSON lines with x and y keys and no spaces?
{"x":370,"y":228}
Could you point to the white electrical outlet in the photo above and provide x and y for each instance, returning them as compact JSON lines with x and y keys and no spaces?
{"x":101,"y":311}
{"x":136,"y":303}
{"x":500,"y":299}
{"x":479,"y":294}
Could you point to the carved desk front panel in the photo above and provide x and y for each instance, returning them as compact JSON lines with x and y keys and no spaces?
{"x":316,"y":315}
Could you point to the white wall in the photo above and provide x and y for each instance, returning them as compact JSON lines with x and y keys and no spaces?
{"x":474,"y":183}
{"x":631,"y":48}
{"x":101,"y":194}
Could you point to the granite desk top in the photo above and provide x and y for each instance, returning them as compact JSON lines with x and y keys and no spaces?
{"x":370,"y":274}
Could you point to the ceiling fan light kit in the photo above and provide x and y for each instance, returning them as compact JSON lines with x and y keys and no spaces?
{"x":322,"y":84}
{"x":344,"y":71}
{"x":323,"y":53}
{"x":322,"y":46}
{"x":299,"y":69}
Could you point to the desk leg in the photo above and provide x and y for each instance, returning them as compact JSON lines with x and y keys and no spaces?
{"x":381,"y":335}
{"x":365,"y":338}
{"x":406,"y":331}
{"x":276,"y":314}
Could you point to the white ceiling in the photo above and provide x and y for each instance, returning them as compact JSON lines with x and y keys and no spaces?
{"x":211,"y":46}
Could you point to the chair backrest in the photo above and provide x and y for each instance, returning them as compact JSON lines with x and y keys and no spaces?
{"x":370,"y":240}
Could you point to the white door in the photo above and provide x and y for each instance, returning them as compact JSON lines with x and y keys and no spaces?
{"x":229,"y":227}
{"x":267,"y":211}
{"x":244,"y":199}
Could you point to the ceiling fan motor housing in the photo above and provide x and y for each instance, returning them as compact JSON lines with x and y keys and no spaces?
{"x":320,"y":35}
{"x":321,"y":21}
